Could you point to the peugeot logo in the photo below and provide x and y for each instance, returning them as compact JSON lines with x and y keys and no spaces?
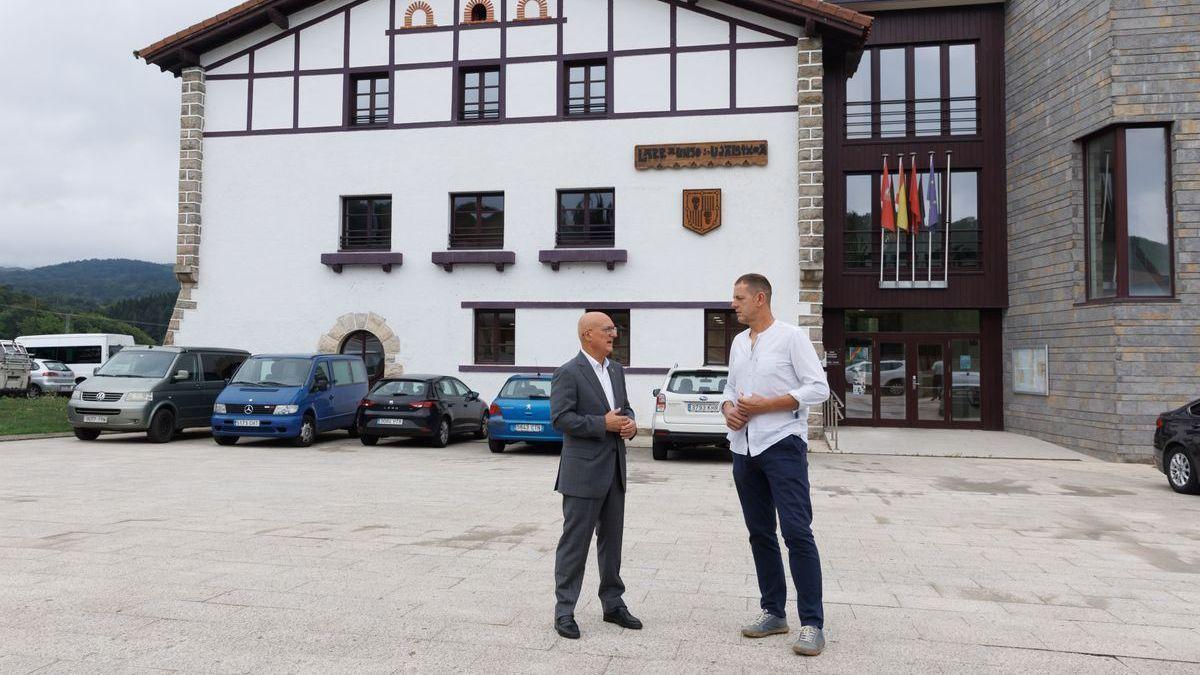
{"x":249,"y":410}
{"x":100,"y":396}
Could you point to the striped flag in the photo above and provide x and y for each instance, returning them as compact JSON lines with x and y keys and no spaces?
{"x":887,"y":208}
{"x":914,"y":190}
{"x":902,"y":200}
{"x":932,"y":212}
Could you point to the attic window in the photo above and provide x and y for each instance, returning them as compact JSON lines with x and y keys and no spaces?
{"x":479,"y":13}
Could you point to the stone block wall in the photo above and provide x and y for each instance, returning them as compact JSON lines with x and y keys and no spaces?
{"x":191,"y":181}
{"x":810,"y":209}
{"x":1073,"y":68}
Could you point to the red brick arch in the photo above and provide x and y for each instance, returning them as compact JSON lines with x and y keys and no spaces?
{"x":470,"y":9}
{"x":419,"y":6}
{"x":543,"y":10}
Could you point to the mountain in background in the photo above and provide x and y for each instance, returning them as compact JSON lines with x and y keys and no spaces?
{"x":92,"y":281}
{"x":23,"y":314}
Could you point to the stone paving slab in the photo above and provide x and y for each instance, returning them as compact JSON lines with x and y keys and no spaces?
{"x":948,"y":443}
{"x":123,"y":556}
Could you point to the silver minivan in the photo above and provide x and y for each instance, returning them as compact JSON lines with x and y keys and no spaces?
{"x":159,"y":390}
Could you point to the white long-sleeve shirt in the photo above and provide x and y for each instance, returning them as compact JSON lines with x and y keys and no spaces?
{"x":781,"y":361}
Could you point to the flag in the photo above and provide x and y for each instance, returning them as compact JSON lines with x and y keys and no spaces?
{"x":931,"y":211}
{"x":914,"y":190}
{"x":902,"y":201}
{"x":887,"y":209}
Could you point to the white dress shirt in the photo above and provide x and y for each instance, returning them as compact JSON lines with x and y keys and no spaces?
{"x":781,"y":361}
{"x":602,"y":374}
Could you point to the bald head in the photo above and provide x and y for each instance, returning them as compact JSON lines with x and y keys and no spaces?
{"x":596,"y":334}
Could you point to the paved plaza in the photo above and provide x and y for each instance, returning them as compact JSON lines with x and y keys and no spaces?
{"x":123,"y":556}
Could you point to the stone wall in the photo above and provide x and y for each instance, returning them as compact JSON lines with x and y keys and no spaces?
{"x":191,"y":177}
{"x":810,"y":208}
{"x":1072,"y":68}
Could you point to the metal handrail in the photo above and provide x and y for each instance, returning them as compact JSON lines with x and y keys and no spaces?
{"x":832,"y":412}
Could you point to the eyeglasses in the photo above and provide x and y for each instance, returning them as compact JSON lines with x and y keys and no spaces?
{"x":611,"y":330}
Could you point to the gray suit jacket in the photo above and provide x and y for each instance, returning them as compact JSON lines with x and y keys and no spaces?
{"x":577,"y":409}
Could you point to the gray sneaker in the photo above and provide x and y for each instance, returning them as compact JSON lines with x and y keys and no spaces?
{"x":766,"y":624}
{"x":811,"y":641}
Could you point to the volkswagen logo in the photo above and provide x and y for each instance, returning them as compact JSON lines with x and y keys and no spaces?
{"x":100,"y":396}
{"x":249,"y":410}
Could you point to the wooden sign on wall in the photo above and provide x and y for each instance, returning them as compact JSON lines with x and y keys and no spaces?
{"x":702,"y":210}
{"x":692,"y":155}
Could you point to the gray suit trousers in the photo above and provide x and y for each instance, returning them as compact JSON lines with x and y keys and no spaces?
{"x":581,"y":517}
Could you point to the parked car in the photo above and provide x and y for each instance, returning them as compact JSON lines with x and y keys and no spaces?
{"x":1177,"y":447}
{"x":891,"y":377}
{"x":53,"y":377}
{"x":687,"y":410}
{"x":295,"y":396}
{"x":434,"y":407}
{"x":521,"y":413}
{"x":82,"y":352}
{"x":159,"y":390}
{"x":14,"y":368}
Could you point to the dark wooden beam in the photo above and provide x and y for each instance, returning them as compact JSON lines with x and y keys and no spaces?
{"x":188,"y":57}
{"x":278,"y":18}
{"x":810,"y":28}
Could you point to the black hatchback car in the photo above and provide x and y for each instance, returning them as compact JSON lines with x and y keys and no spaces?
{"x":1177,"y":446}
{"x":434,"y":407}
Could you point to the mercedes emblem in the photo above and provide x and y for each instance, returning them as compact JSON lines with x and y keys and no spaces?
{"x":249,"y":410}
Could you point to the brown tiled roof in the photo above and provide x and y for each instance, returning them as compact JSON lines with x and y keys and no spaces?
{"x":232,"y":22}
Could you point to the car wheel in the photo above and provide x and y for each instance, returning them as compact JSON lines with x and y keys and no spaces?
{"x":368,"y":439}
{"x":441,"y":437}
{"x":482,"y":433}
{"x":495,"y":445}
{"x":354,"y":429}
{"x":1181,"y":471}
{"x":659,"y":449}
{"x":308,"y":433}
{"x":33,"y":391}
{"x":894,"y":388}
{"x":226,"y":440}
{"x":162,"y":426}
{"x":87,"y":434}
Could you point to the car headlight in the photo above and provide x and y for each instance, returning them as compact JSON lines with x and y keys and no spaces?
{"x":139,"y":396}
{"x":219,"y":408}
{"x":76,"y":395}
{"x":287,"y":409}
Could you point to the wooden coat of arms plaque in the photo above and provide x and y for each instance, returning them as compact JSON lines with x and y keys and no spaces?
{"x":702,"y":210}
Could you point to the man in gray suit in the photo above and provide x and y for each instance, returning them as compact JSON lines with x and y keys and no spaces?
{"x":588,"y":404}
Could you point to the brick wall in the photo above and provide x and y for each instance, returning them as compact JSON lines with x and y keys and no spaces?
{"x":1074,"y":67}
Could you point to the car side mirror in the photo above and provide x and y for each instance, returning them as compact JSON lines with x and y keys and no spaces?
{"x":181,"y":375}
{"x":656,"y":392}
{"x":320,"y":384}
{"x":472,"y":396}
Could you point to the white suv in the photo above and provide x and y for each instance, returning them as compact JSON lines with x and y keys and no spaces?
{"x":687,"y":409}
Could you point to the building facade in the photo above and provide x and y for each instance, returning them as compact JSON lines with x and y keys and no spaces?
{"x":444,"y":186}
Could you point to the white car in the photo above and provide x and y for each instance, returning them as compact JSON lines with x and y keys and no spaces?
{"x":687,"y":409}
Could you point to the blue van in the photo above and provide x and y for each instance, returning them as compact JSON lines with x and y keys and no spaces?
{"x":521,"y":412}
{"x":294,"y":396}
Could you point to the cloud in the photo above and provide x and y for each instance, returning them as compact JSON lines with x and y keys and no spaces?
{"x":88,"y":135}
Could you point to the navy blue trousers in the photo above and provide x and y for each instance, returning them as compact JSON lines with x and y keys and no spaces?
{"x":777,"y":481}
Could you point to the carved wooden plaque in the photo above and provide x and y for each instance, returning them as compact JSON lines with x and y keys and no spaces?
{"x":691,"y":155}
{"x":702,"y":210}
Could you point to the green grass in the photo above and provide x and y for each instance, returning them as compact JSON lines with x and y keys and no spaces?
{"x":43,"y":415}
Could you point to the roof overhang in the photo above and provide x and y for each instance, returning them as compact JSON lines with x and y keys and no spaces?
{"x":183,"y":49}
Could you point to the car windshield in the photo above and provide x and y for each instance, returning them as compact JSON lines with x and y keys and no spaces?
{"x":138,"y":363}
{"x":526,"y":389}
{"x":267,"y":371}
{"x":696,"y":382}
{"x":401,"y":388}
{"x":56,"y":365}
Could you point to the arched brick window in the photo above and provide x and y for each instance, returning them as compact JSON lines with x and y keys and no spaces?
{"x":422,"y":7}
{"x":364,"y":344}
{"x":479,"y":11}
{"x":543,"y":10}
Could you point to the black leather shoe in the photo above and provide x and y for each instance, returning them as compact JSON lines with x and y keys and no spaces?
{"x":566,"y":627}
{"x":623,"y":618}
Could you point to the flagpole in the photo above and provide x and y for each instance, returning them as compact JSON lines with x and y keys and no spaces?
{"x":882,"y":229}
{"x":912,"y":226}
{"x":947,"y":219}
{"x":901,"y":170}
{"x":929,"y":239}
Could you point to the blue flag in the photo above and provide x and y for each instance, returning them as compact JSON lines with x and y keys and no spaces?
{"x":932,"y":215}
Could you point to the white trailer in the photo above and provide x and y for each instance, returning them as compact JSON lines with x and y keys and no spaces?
{"x":82,"y":352}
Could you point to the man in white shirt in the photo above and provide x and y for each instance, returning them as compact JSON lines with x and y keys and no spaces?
{"x":774,"y":377}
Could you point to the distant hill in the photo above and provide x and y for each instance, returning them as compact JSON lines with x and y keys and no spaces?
{"x":93,"y":281}
{"x":22,"y":314}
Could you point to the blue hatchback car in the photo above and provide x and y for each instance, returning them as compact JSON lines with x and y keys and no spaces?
{"x":521,"y":413}
{"x":294,"y":396}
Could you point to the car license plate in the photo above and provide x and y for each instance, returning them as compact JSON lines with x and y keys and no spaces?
{"x":527,"y":427}
{"x":702,"y":407}
{"x":245,"y":423}
{"x":391,"y":422}
{"x":95,"y":419}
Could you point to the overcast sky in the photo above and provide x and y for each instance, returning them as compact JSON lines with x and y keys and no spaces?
{"x":89,"y":136}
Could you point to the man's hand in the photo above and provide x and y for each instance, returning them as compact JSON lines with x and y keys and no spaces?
{"x":629,"y":429}
{"x":735,"y":419}
{"x":755,"y":405}
{"x":614,"y":421}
